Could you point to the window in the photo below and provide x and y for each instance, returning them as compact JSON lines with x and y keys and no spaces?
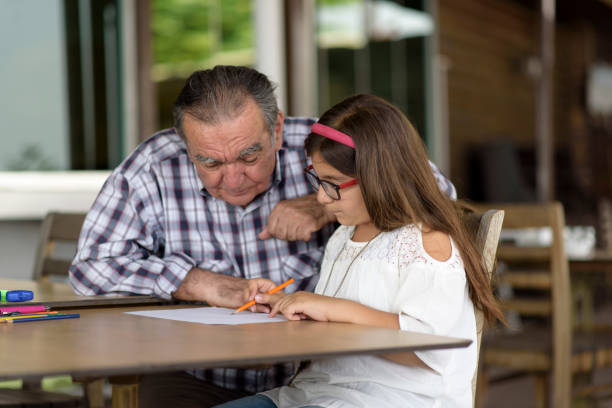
{"x":34,"y":117}
{"x":193,"y":35}
{"x":61,"y":85}
{"x":374,"y":47}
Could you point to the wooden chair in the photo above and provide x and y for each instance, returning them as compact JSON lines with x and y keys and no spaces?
{"x":486,"y":228}
{"x":546,"y":345}
{"x":56,"y":228}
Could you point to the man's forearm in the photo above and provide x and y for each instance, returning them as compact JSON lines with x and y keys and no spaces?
{"x":121,"y":273}
{"x":193,"y":286}
{"x":213,"y":288}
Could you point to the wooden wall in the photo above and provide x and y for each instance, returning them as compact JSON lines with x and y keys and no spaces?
{"x":490,"y":94}
{"x":584,"y":33}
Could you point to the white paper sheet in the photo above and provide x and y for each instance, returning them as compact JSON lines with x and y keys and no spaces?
{"x":210,"y":315}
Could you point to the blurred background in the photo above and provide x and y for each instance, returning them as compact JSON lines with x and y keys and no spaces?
{"x":513,"y":102}
{"x":513,"y":98}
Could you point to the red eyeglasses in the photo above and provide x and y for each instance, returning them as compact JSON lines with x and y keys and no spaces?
{"x":332,"y":190}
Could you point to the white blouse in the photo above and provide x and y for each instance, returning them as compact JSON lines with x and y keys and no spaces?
{"x":393,"y":273}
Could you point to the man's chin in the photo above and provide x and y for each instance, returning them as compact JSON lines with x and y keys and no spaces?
{"x":241,"y":200}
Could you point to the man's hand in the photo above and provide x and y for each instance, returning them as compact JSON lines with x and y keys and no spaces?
{"x":222,"y":290}
{"x":296,"y":219}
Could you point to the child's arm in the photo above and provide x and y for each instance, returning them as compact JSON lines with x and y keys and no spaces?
{"x":302,"y":305}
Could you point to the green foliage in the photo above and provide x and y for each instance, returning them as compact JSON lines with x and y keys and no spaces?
{"x":334,"y":2}
{"x":11,"y":384}
{"x":60,"y":383}
{"x":237,"y":28}
{"x":196,"y":34}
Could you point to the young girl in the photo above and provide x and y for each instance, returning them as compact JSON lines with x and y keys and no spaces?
{"x":401,"y":259}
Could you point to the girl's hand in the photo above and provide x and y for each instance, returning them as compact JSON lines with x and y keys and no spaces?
{"x":299,"y":305}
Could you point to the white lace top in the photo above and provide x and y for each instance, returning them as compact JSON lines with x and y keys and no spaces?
{"x":395,"y":274}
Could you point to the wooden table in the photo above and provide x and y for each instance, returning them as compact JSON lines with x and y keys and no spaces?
{"x":61,"y":295}
{"x":590,"y":273}
{"x":597,"y":260}
{"x":108,"y":342}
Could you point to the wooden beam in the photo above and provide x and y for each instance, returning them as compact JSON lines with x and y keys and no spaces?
{"x":147,"y":95}
{"x":544,"y":105}
{"x":301,"y":57}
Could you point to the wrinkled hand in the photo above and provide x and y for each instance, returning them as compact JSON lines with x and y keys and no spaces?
{"x":296,"y":219}
{"x":259,"y":286}
{"x":298,"y":305}
{"x":222,"y":290}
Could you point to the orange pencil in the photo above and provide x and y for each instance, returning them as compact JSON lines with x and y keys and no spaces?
{"x":271,"y":291}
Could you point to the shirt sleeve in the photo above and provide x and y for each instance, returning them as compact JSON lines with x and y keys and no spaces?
{"x":304,"y":268}
{"x":122,"y":241}
{"x":431,"y":300}
{"x":445,"y":184}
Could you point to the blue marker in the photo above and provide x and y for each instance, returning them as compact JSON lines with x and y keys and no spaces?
{"x":16,"y":295}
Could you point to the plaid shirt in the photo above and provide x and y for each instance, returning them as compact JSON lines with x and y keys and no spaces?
{"x":153,"y":222}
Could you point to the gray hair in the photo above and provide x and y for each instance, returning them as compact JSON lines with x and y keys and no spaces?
{"x":220,"y":93}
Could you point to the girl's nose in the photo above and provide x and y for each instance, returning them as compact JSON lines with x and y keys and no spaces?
{"x":322,"y":196}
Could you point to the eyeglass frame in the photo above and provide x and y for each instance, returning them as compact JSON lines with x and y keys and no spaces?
{"x":312,"y":177}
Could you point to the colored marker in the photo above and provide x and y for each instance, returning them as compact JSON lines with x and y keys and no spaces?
{"x":16,"y":295}
{"x":23,"y":309}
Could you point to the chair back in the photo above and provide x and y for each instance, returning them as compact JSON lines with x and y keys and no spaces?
{"x":535,"y":279}
{"x":486,"y":227}
{"x":57,"y":228}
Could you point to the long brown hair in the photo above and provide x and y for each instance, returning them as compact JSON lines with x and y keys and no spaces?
{"x":397,"y":182}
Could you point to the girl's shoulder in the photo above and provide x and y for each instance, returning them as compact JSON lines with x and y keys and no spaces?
{"x":407,"y":246}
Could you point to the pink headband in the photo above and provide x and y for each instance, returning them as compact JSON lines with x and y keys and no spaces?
{"x":332,"y":134}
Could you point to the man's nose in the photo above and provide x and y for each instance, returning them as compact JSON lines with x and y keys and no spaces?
{"x":233,"y":175}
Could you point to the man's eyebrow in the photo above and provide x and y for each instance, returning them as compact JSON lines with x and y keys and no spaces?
{"x":204,"y":159}
{"x":250,"y":150}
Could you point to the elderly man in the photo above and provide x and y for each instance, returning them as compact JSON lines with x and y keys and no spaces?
{"x":198,"y":211}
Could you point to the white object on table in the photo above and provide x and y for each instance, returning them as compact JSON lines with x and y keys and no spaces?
{"x":210,"y":315}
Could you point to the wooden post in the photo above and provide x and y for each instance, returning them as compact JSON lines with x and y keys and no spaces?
{"x":147,"y":96}
{"x":562,"y":320}
{"x":125,"y":391}
{"x":544,"y":105}
{"x":301,"y":57}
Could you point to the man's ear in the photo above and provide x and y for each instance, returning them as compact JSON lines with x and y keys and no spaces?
{"x":278,"y":130}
